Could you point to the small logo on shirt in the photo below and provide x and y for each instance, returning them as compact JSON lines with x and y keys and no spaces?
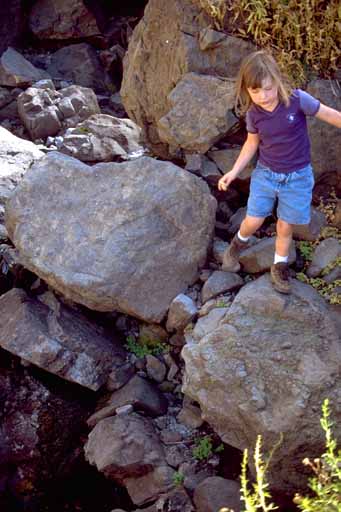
{"x":291,"y":118}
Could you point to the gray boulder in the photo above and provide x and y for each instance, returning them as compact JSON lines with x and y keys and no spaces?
{"x":101,"y":138}
{"x":200,"y":112}
{"x":58,"y":19}
{"x":127,"y":236}
{"x":260,"y":256}
{"x":165,"y":47}
{"x":59,"y":340}
{"x":324,"y":254}
{"x":265,"y":370}
{"x":46,"y":112}
{"x":16,"y":71}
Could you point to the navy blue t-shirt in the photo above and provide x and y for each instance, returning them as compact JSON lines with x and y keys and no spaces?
{"x":284,"y":142}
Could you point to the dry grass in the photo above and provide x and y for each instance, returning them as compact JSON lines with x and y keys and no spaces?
{"x":305,"y":35}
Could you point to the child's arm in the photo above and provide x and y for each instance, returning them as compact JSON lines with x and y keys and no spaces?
{"x":329,"y":115}
{"x":248,"y":150}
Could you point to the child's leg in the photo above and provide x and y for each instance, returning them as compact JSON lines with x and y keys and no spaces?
{"x":239,"y":243}
{"x":284,"y":238}
{"x":279,"y":270}
{"x":250,"y":225}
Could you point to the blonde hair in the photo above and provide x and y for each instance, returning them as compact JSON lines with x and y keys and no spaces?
{"x":255,"y":68}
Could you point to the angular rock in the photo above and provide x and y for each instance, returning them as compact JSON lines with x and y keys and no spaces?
{"x":16,"y":156}
{"x":207,"y":323}
{"x":190,"y":415}
{"x":225,"y":159}
{"x":220,"y":282}
{"x":167,"y":39}
{"x":58,"y":340}
{"x":219,"y":247}
{"x":143,"y":395}
{"x":92,"y":247}
{"x":236,"y":220}
{"x":119,"y":376}
{"x":150,"y":486}
{"x":181,"y":312}
{"x":16,"y":71}
{"x":45,"y":112}
{"x":325,"y":253}
{"x":80,"y":64}
{"x":57,"y":19}
{"x":200,"y":112}
{"x":101,"y":138}
{"x":260,"y":256}
{"x":210,"y":38}
{"x":215,"y":493}
{"x":156,"y":370}
{"x":265,"y":370}
{"x":124,"y":446}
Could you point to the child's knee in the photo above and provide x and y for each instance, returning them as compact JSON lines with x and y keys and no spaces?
{"x":284,"y":228}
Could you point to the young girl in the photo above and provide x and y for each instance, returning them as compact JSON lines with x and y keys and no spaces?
{"x":277,"y":127}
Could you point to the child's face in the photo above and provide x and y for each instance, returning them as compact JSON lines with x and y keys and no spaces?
{"x":265,"y":96}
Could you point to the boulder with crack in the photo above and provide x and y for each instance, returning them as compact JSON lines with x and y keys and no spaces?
{"x":101,"y":138}
{"x":127,"y":236}
{"x":266,"y":369}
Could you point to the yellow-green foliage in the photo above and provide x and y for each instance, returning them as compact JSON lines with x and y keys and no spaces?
{"x":216,"y":9}
{"x":325,"y":485}
{"x":302,"y":33}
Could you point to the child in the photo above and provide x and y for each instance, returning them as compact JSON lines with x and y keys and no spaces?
{"x":276,"y":125}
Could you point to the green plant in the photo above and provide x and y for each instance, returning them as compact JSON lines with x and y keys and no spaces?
{"x":203,"y":449}
{"x":327,"y":290}
{"x":306,"y":249}
{"x":326,"y":484}
{"x":143,"y":346}
{"x":216,"y":9}
{"x":299,"y":45}
{"x":178,"y":478}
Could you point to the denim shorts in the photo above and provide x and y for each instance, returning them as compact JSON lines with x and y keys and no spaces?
{"x":293,"y":190}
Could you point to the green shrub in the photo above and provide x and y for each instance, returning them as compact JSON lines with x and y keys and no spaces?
{"x":144,"y":346}
{"x":325,"y":485}
{"x":178,"y":478}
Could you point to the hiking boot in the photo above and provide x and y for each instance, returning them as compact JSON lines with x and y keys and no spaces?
{"x":280,"y":277}
{"x":232,"y":253}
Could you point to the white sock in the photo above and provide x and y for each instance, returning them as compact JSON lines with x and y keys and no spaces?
{"x":242,"y":238}
{"x":280,"y":259}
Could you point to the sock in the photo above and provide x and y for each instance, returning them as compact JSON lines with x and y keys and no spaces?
{"x":280,"y":259}
{"x":242,"y":238}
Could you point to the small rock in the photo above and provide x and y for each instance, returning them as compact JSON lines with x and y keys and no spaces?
{"x":219,"y":247}
{"x":125,"y":409}
{"x":120,"y":376}
{"x":181,"y":312}
{"x":156,"y":370}
{"x":190,"y":415}
{"x":220,"y":282}
{"x":325,"y":253}
{"x":312,"y":230}
{"x":215,"y":493}
{"x":169,"y":437}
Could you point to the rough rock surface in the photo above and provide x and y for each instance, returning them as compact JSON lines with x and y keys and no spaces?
{"x":200,"y":112}
{"x":56,"y":339}
{"x":45,"y":112}
{"x":16,"y":71}
{"x":163,"y":48}
{"x":93,"y":248}
{"x":265,"y":370}
{"x":127,"y":449}
{"x":60,"y":19}
{"x":101,"y":138}
{"x":260,"y":256}
{"x":324,"y":254}
{"x":16,"y":156}
{"x":79,"y":63}
{"x":215,"y":493}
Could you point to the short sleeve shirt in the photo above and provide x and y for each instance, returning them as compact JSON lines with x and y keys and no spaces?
{"x":284,"y":142}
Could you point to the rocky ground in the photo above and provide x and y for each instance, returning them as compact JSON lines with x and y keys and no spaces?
{"x":134,"y":371}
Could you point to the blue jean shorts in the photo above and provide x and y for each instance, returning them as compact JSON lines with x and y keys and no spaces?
{"x":293,"y":190}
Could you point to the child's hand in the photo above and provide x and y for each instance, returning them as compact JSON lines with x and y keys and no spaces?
{"x":226,"y":180}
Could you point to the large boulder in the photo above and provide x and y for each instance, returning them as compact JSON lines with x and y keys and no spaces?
{"x":16,"y":71}
{"x":127,"y":236}
{"x":46,"y":112}
{"x":80,"y":64}
{"x":265,"y":369}
{"x":60,"y":19}
{"x":165,"y":47}
{"x":56,"y":338}
{"x":102,"y":138}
